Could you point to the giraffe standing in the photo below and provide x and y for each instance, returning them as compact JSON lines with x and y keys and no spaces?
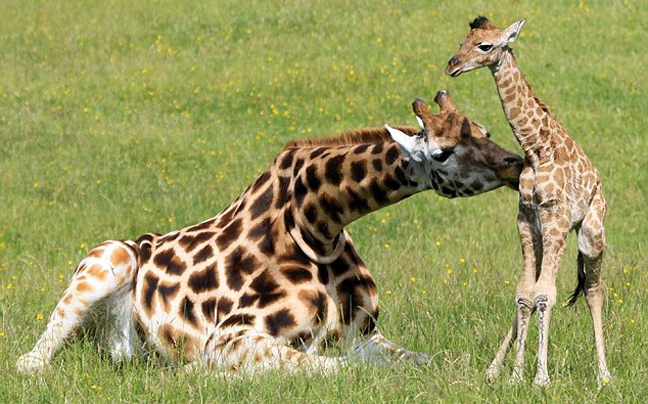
{"x":266,"y":282}
{"x":560,"y":191}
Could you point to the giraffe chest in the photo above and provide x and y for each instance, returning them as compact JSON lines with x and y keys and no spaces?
{"x":558,"y":185}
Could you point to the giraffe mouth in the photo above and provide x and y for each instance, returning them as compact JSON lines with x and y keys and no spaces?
{"x":456,"y":72}
{"x":514,"y":184}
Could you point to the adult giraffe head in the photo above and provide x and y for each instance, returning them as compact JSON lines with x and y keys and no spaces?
{"x":454,"y":155}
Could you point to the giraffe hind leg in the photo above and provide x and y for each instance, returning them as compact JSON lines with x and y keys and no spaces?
{"x":591,"y":243}
{"x":246,"y":352}
{"x":377,"y":349}
{"x":98,"y":290}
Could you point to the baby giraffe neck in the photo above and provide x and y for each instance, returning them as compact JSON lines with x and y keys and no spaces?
{"x":527,"y":115}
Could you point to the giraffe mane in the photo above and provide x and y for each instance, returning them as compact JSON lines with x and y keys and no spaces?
{"x":480,"y":22}
{"x":370,"y":135}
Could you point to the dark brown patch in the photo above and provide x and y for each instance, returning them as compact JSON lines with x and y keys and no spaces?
{"x":378,"y":194}
{"x":267,"y":289}
{"x":262,"y":203}
{"x":202,"y":226}
{"x":310,"y":211}
{"x":356,"y":202}
{"x":148,"y":290}
{"x":298,"y":166}
{"x":279,"y":321}
{"x":297,"y":275}
{"x":332,"y":208}
{"x":391,"y":183}
{"x":262,"y":233}
{"x":358,"y":170}
{"x":392,"y":155}
{"x":300,"y":192}
{"x":377,"y":165}
{"x":209,"y":310}
{"x":190,"y":242}
{"x":203,"y":255}
{"x":238,"y":264}
{"x":316,"y":304}
{"x":289,"y":219}
{"x":400,"y":174}
{"x":238,"y":319}
{"x":333,"y":169}
{"x":263,"y":178}
{"x":377,"y":149}
{"x":322,"y":274}
{"x":361,"y":149}
{"x":223,"y":308}
{"x":171,"y":263}
{"x":351,"y":294}
{"x":312,"y":179}
{"x":229,"y":234}
{"x":145,"y":253}
{"x":167,"y":292}
{"x":339,"y":267}
{"x":187,"y":312}
{"x":287,"y":159}
{"x":204,"y":280}
{"x":282,"y":195}
{"x":317,"y":152}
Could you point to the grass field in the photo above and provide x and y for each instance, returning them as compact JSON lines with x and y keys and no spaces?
{"x":119,"y":118}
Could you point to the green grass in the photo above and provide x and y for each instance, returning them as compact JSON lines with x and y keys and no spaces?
{"x":119,"y":118}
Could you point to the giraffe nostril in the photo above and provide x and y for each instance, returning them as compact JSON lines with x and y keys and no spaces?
{"x":453,"y":61}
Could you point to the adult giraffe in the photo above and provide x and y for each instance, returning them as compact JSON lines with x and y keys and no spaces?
{"x":266,"y":282}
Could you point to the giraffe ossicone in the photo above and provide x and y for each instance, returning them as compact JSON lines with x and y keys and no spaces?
{"x":560,"y":191}
{"x":268,"y":281}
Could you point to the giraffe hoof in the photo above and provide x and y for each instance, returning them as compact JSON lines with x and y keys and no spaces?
{"x":492,"y":374}
{"x":31,"y":363}
{"x":516,"y":378}
{"x":604,"y":380}
{"x":541,"y":380}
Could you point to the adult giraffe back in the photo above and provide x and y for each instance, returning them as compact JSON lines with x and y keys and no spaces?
{"x":266,"y":281}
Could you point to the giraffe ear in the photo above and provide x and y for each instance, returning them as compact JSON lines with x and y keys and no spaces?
{"x":513,"y":31}
{"x":420,"y":122}
{"x":409,"y":144}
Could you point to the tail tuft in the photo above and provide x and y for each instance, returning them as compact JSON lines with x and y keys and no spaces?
{"x":580,"y":287}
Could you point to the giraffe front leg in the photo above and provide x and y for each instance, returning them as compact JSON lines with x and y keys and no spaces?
{"x":246,"y":351}
{"x":555,"y":228}
{"x":531,"y":243}
{"x":107,"y":268}
{"x":377,"y":349}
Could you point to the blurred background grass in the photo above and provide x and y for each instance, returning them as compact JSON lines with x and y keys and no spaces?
{"x":119,"y":118}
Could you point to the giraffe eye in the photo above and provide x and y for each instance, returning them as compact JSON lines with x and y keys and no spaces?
{"x":442,"y":155}
{"x":484,"y":47}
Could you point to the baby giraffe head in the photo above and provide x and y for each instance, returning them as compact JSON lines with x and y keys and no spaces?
{"x":483,"y":46}
{"x":454,"y":156}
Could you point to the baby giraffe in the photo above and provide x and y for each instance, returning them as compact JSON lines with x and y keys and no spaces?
{"x":560,"y":191}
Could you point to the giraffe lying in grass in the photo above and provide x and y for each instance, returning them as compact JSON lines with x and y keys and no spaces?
{"x":267,"y":281}
{"x":560,"y":191}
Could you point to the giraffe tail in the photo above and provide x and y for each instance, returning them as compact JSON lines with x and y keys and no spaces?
{"x":580,"y":287}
